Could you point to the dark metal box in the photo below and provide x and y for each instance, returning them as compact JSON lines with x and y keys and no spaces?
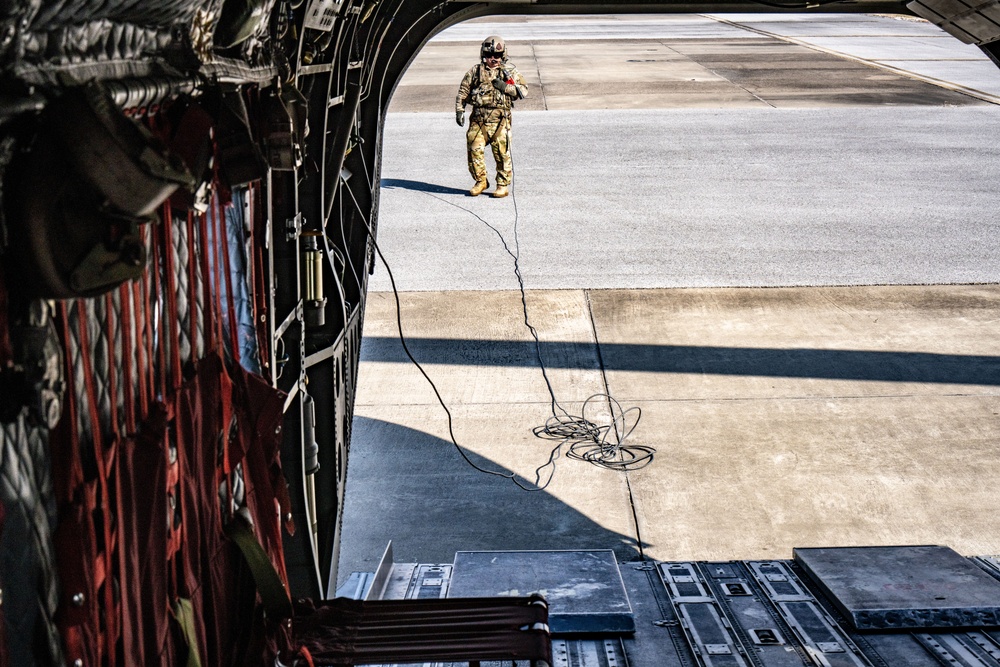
{"x":887,"y":588}
{"x":584,"y":588}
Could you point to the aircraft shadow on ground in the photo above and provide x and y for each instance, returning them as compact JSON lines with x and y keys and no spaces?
{"x":413,"y":488}
{"x":420,"y":186}
{"x":766,"y":362}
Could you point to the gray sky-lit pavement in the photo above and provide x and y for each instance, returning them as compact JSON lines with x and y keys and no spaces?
{"x":710,"y":197}
{"x":672,"y":198}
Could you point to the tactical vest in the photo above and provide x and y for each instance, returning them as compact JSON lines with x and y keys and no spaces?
{"x":482,"y":94}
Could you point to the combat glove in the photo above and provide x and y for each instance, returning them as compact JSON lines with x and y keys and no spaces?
{"x":503,"y":82}
{"x":460,"y":117}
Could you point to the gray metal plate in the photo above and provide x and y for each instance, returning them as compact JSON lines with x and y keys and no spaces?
{"x":880,"y":588}
{"x":584,"y":588}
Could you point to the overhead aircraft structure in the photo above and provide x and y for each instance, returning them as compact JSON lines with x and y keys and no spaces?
{"x":190,"y":201}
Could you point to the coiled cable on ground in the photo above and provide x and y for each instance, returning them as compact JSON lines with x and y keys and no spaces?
{"x":603,"y":445}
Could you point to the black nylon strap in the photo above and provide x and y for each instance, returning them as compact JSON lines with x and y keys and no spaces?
{"x":269,"y":585}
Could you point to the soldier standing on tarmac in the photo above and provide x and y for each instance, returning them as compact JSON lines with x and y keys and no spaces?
{"x":490,"y":87}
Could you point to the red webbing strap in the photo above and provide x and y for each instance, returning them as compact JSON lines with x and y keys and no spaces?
{"x":122,"y":554}
{"x":132,"y":348}
{"x":74,"y":540}
{"x":125,"y":294}
{"x":173,"y":325}
{"x":213,"y":334}
{"x":260,"y":410}
{"x":260,"y":309}
{"x":67,"y":470}
{"x":109,"y":333}
{"x":147,"y":379}
{"x":211,"y":317}
{"x":192,"y":285}
{"x":175,"y":531}
{"x":103,"y":566}
{"x":161,"y":349}
{"x":111,"y":549}
{"x":305,"y":657}
{"x":260,"y":293}
{"x":227,"y":269}
{"x":142,"y":360}
{"x":173,"y":322}
{"x":89,"y":385}
{"x":251,"y":212}
{"x":176,"y":482}
{"x":221,"y":246}
{"x":217,"y":274}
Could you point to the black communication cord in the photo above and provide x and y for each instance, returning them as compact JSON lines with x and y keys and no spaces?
{"x":603,"y":445}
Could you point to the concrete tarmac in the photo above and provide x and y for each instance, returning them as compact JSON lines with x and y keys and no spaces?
{"x":683,"y":197}
{"x":781,"y":417}
{"x":802,"y":381}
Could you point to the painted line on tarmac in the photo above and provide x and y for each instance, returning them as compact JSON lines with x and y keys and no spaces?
{"x":941,"y":83}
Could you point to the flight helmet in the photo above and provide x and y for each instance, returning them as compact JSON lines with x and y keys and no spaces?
{"x":493,"y":46}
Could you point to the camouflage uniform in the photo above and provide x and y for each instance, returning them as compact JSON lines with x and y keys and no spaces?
{"x":490,"y":119}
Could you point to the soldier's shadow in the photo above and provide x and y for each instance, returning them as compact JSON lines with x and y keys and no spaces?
{"x":420,"y":186}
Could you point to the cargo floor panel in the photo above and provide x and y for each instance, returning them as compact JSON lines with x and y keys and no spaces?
{"x":713,"y":614}
{"x":898,"y":588}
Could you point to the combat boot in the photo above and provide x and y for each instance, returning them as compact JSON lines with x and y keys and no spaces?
{"x":478,"y":188}
{"x":501,"y":191}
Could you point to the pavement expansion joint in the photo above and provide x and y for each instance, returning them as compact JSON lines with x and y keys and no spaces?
{"x":635,"y":516}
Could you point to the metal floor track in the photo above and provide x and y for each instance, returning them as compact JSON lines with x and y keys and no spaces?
{"x":731,"y":614}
